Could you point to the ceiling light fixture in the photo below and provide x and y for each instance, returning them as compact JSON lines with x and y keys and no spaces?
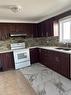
{"x":16,"y":9}
{"x":13,"y":8}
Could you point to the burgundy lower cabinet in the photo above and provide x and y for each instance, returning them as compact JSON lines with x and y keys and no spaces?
{"x":7,"y":61}
{"x":34,"y":55}
{"x":64,"y":64}
{"x":43,"y":56}
{"x":57,"y":61}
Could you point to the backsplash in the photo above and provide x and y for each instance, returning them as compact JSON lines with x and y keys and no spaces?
{"x":30,"y":42}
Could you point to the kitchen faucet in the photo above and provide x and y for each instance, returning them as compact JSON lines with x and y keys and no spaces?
{"x":67,"y":44}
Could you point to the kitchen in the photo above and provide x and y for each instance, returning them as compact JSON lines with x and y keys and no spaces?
{"x":47,"y":68}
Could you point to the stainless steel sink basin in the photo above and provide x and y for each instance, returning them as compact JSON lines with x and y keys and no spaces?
{"x":63,"y":48}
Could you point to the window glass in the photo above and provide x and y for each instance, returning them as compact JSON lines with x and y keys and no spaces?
{"x":65,"y":30}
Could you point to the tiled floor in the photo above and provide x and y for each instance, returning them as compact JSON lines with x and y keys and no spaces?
{"x":14,"y":83}
{"x":45,"y":81}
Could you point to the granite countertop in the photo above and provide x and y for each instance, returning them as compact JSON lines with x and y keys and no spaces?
{"x":55,"y":49}
{"x":5,"y":50}
{"x":42,"y":47}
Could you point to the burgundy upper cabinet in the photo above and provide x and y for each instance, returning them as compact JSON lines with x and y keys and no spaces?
{"x":41,"y":29}
{"x":46,"y":28}
{"x":4,"y":29}
{"x":26,"y":28}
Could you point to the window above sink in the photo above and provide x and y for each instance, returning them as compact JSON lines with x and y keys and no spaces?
{"x":65,"y":30}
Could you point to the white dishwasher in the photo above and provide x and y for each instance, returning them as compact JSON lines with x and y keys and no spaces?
{"x":21,"y":55}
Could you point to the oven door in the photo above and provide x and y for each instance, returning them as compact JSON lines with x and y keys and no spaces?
{"x":21,"y":55}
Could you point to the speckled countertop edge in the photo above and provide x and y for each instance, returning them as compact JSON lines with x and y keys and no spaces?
{"x":42,"y":47}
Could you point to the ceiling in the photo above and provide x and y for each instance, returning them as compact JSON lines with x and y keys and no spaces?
{"x":33,"y":11}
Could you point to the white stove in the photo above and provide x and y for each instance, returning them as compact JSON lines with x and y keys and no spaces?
{"x":21,"y":55}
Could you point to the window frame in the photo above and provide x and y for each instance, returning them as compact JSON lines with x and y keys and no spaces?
{"x":61,"y":21}
{"x":55,"y":28}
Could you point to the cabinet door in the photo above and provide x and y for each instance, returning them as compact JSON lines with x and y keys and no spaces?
{"x":50,"y":58}
{"x":19,"y":27}
{"x":43,"y":56}
{"x":7,"y":61}
{"x":59,"y":62}
{"x":65,"y":64}
{"x":56,"y":61}
{"x":34,"y":55}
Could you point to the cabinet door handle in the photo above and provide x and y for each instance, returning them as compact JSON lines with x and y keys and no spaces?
{"x":57,"y":59}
